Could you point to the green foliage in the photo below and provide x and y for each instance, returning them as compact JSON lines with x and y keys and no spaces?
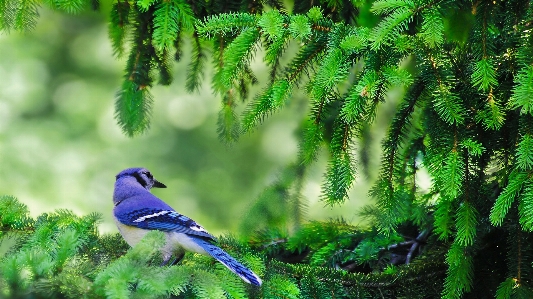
{"x":339,"y":178}
{"x":492,"y":115}
{"x":166,"y":24}
{"x":332,"y":70}
{"x":267,"y":103}
{"x":525,"y":207}
{"x":452,"y":175}
{"x":21,"y":15}
{"x":196,"y":66}
{"x":61,"y":255}
{"x":278,"y":287}
{"x":399,"y":15}
{"x":18,"y":15}
{"x":355,"y":42}
{"x":119,"y":20}
{"x":484,"y":75}
{"x":432,"y":31}
{"x":237,"y":55}
{"x":272,"y":23}
{"x":225,"y":24}
{"x":460,"y":272}
{"x":463,"y":113}
{"x":145,"y":4}
{"x":13,"y":215}
{"x":448,"y":105}
{"x":313,"y":137}
{"x":466,"y":224}
{"x":229,"y":126}
{"x":315,"y":14}
{"x":473,"y":147}
{"x":507,"y":197}
{"x":506,"y":289}
{"x":47,"y":252}
{"x":299,"y":27}
{"x":443,"y":219}
{"x":315,"y":235}
{"x":524,"y":154}
{"x":132,"y":107}
{"x":72,"y":6}
{"x":523,"y":90}
{"x":279,"y":205}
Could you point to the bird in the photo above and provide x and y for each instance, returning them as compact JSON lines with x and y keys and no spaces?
{"x":137,"y":211}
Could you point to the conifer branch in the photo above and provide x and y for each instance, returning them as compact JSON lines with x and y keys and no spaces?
{"x":117,"y":26}
{"x":361,"y":280}
{"x":195,"y":69}
{"x":225,"y":24}
{"x":390,"y":147}
{"x":133,"y":102}
{"x":294,"y":73}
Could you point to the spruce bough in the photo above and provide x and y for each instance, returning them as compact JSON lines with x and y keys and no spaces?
{"x":61,"y":255}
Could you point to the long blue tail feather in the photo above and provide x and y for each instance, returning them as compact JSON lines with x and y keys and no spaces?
{"x":228,"y":261}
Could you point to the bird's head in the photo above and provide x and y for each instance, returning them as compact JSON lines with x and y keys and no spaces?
{"x":143,"y":177}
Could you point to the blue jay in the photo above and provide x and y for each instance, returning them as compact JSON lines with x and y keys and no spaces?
{"x":137,"y":211}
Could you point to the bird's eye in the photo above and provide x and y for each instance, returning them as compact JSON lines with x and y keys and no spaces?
{"x":148,"y":174}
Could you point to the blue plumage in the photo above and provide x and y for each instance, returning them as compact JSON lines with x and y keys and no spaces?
{"x":228,"y":261}
{"x":166,"y":220}
{"x":137,"y":211}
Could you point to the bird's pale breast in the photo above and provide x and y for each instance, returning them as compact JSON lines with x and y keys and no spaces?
{"x":131,"y":234}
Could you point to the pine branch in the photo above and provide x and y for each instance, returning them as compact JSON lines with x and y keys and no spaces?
{"x":195,"y":69}
{"x":466,"y":223}
{"x":452,"y":175}
{"x":312,"y":140}
{"x":272,"y":24}
{"x":400,"y":14}
{"x":305,"y":59}
{"x":70,"y":6}
{"x":460,"y":272}
{"x":18,"y":15}
{"x":225,"y":24}
{"x":506,"y":289}
{"x":466,"y":119}
{"x":492,"y":116}
{"x":229,"y":126}
{"x":299,"y":27}
{"x":144,"y":5}
{"x":523,"y":89}
{"x":119,"y":20}
{"x":484,"y":75}
{"x":134,"y":101}
{"x":384,"y":189}
{"x":525,"y":206}
{"x":236,"y":56}
{"x":507,"y":197}
{"x":166,"y":25}
{"x":267,"y":103}
{"x":331,"y":72}
{"x":340,"y":173}
{"x":524,"y":153}
{"x":432,"y":31}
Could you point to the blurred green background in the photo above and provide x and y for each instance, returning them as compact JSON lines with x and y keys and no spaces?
{"x":60,"y":147}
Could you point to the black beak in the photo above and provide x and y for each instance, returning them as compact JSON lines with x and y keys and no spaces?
{"x":158,"y":184}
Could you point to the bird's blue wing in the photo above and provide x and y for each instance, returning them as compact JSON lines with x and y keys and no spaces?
{"x":163,"y":220}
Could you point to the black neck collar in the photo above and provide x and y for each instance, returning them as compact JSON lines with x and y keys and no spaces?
{"x":136,"y":176}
